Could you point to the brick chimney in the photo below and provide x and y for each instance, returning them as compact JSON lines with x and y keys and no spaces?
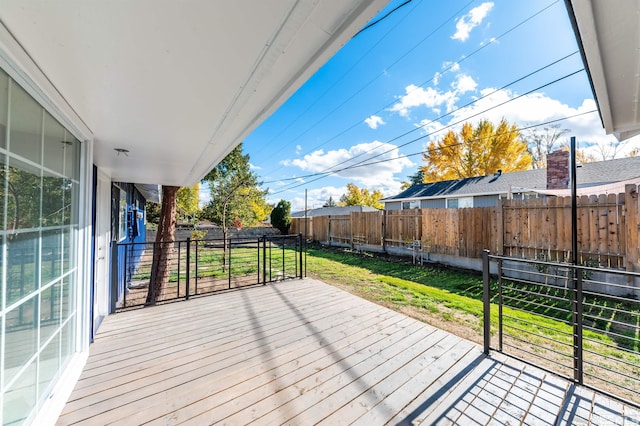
{"x":558,"y":170}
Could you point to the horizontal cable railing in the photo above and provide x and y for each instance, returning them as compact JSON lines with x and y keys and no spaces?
{"x":197,"y":267}
{"x":579,"y":322}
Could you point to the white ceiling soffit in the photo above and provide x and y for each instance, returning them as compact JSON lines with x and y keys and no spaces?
{"x":609,"y":31}
{"x":177,"y":83}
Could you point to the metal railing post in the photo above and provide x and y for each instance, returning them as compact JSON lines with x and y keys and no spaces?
{"x":486,"y":300}
{"x":187,"y":277}
{"x":114,"y":276}
{"x":500,"y":288}
{"x":125,"y":278}
{"x":264,"y":260}
{"x":578,"y":363}
{"x":229,"y":263}
{"x":258,"y":261}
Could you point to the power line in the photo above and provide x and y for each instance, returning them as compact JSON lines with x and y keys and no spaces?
{"x":330,"y":170}
{"x":322,"y":175}
{"x":367,"y":84}
{"x":423,"y":84}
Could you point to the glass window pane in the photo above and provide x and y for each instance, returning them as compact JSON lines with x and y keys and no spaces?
{"x":68,"y":341}
{"x":4,"y":100}
{"x":22,"y":261}
{"x":70,"y":200}
{"x":25,"y":137}
{"x":23,"y":196}
{"x":21,"y":337}
{"x":49,"y":365}
{"x":51,"y":259}
{"x":50,"y":299}
{"x":72,"y":157}
{"x":68,"y":249}
{"x":53,"y":192}
{"x":54,"y":144}
{"x":20,"y":399}
{"x":68,"y":295}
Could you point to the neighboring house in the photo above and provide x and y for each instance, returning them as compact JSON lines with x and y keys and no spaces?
{"x":333,"y":211}
{"x":97,"y":101}
{"x":484,"y":191}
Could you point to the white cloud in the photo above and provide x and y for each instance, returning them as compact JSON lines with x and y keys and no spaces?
{"x":377,"y":176}
{"x":471,"y":20}
{"x":374,"y":121}
{"x":254,"y":167}
{"x":298,"y":149}
{"x":464,"y":83}
{"x":529,"y":110}
{"x":417,"y":96}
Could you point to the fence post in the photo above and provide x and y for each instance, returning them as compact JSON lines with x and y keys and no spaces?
{"x":188,"y":269}
{"x":578,"y":363}
{"x":229,"y":261}
{"x":384,"y":231}
{"x":486,"y":300}
{"x":329,"y":229}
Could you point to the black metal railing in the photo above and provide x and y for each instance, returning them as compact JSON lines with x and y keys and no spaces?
{"x":579,"y":322}
{"x":198,"y":267}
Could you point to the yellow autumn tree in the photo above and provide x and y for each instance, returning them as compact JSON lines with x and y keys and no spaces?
{"x":361,"y":197}
{"x":476,"y":151}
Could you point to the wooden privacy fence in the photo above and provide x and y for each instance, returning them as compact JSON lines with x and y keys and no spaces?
{"x":536,"y":229}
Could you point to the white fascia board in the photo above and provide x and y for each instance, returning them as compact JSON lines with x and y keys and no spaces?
{"x":446,"y":197}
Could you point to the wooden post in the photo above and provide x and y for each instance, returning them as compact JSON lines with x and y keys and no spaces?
{"x":631,"y":218}
{"x":384,"y":231}
{"x":500,"y":228}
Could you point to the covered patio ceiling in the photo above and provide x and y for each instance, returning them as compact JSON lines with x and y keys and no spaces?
{"x":176,"y":84}
{"x":609,"y":34}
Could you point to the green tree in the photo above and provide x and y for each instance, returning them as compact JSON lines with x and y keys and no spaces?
{"x":476,"y":151}
{"x":281,"y":216}
{"x":235,"y":192}
{"x":330,"y":203}
{"x":361,"y":197}
{"x":187,"y":203}
{"x":414,"y":179}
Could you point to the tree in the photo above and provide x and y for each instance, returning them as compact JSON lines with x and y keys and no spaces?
{"x":235,"y":192}
{"x":162,"y":249}
{"x":478,"y":151}
{"x":187,"y":203}
{"x":235,"y":195}
{"x":281,"y":216}
{"x":361,"y":197}
{"x":330,"y":203}
{"x":541,"y":142}
{"x":414,"y":179}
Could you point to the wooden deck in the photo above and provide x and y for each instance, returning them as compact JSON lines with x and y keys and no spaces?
{"x":303,"y":352}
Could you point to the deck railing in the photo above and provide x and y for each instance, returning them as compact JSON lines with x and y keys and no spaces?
{"x":579,"y":322}
{"x":198,"y":267}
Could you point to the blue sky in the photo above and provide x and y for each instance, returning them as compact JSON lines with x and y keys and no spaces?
{"x":411,"y":77}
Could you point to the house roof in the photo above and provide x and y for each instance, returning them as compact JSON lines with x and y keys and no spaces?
{"x":589,"y":174}
{"x":176,"y":83}
{"x":609,"y":38}
{"x":334,"y":211}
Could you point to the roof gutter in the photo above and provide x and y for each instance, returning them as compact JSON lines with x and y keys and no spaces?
{"x":576,"y":31}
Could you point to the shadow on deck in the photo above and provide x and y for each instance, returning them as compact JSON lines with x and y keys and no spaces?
{"x":303,"y":352}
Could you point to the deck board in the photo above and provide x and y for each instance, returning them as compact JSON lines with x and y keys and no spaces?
{"x":303,"y":352}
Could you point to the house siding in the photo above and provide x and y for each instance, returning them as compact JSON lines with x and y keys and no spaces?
{"x":393,"y":206}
